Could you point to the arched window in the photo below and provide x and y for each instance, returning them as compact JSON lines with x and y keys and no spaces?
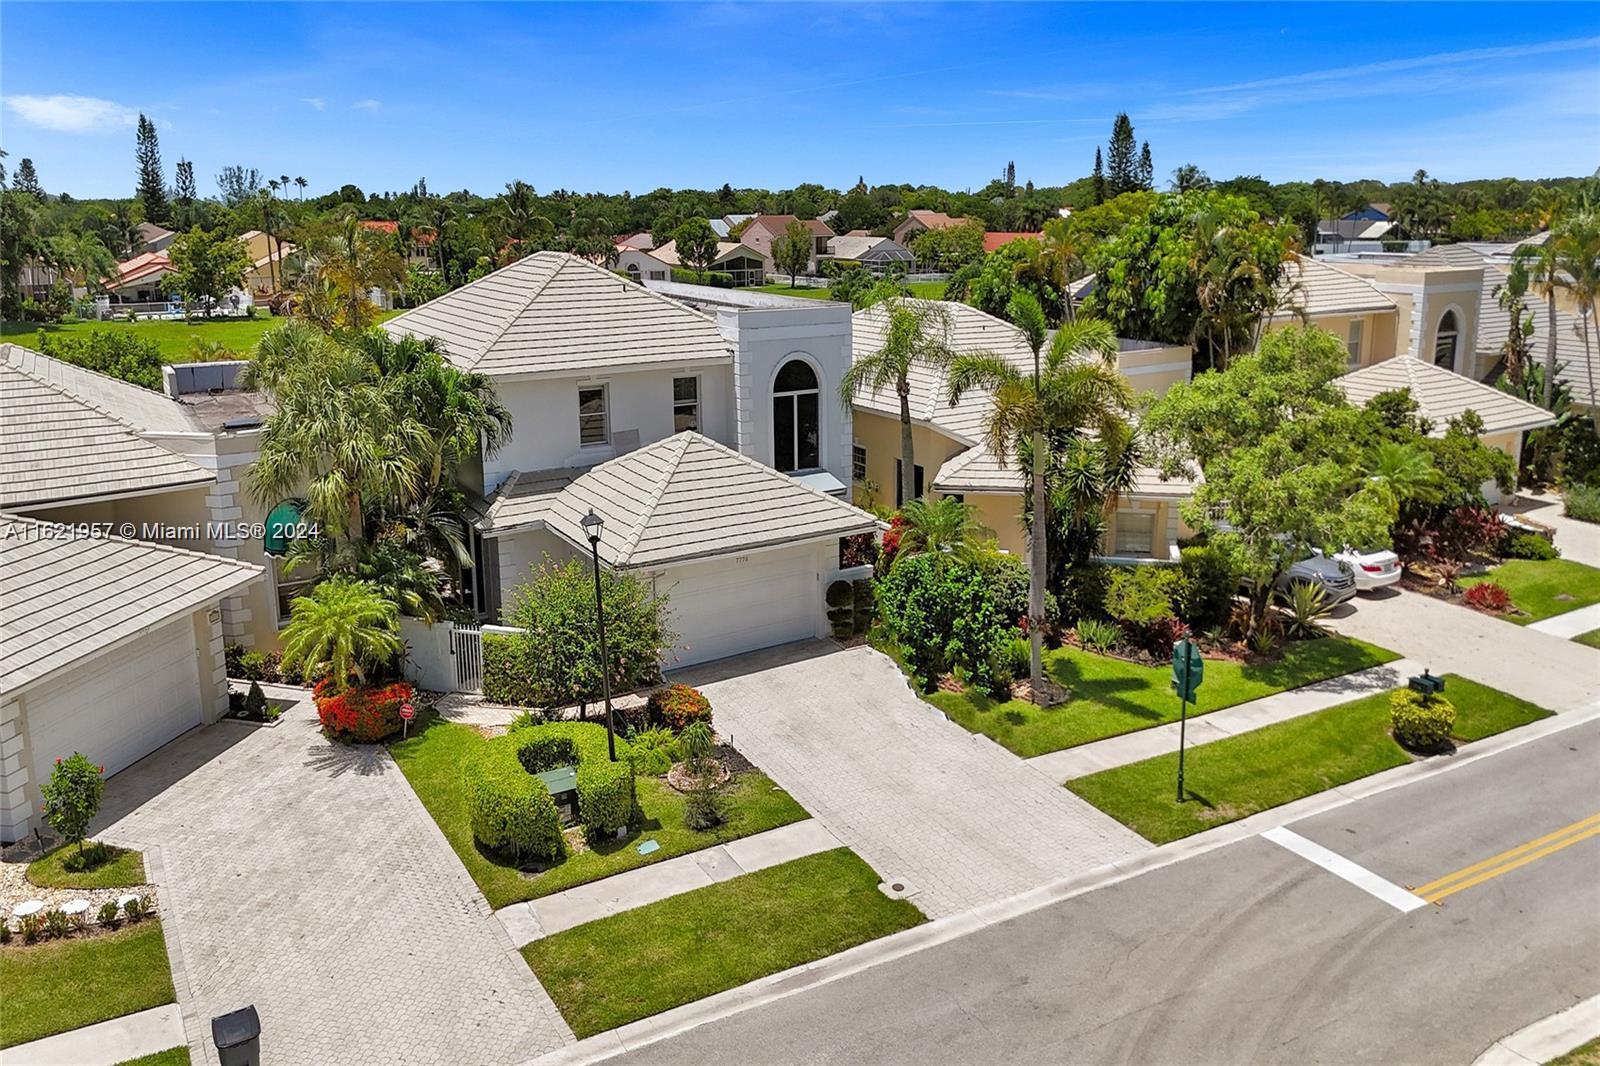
{"x":633,"y":272}
{"x":796,"y":418}
{"x":1445,"y":341}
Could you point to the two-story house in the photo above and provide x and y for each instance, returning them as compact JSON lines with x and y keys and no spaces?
{"x":710,"y":443}
{"x":759,"y":233}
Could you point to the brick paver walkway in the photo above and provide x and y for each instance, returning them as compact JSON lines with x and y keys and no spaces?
{"x":961,"y":819}
{"x":307,"y":879}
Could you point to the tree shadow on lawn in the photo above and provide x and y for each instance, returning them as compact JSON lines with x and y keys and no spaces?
{"x":1102,"y":691}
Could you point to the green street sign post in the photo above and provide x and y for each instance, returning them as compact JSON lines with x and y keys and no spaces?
{"x":1188,"y":670}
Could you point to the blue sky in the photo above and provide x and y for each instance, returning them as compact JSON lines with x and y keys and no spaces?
{"x":611,"y":97}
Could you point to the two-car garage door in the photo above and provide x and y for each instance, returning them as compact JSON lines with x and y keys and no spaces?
{"x":122,"y":705}
{"x":736,"y":605}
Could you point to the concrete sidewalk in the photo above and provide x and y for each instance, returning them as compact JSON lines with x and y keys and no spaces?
{"x":1578,"y":541}
{"x":1569,"y":625}
{"x":529,"y":921}
{"x":1241,"y":718}
{"x":1547,"y":1038}
{"x":115,"y":1040}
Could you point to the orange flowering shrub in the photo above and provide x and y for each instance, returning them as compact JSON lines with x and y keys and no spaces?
{"x":360,"y":714}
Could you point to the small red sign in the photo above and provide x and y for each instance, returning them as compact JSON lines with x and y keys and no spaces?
{"x":407,"y":711}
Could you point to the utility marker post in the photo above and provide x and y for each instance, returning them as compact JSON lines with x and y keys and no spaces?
{"x":1188,"y":670}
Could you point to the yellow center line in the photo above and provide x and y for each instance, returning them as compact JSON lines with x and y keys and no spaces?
{"x":1506,"y":861}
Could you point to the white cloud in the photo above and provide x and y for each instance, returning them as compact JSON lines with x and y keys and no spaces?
{"x":71,"y":114}
{"x":317,"y":102}
{"x":367,"y":105}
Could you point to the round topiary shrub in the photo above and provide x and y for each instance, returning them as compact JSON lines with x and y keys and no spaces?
{"x":360,"y":714}
{"x":678,"y":705}
{"x":1421,"y":724}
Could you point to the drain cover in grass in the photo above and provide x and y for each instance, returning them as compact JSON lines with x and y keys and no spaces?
{"x":647,"y":846}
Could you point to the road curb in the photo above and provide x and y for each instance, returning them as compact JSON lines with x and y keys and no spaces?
{"x":769,"y":989}
{"x":1547,"y":1038}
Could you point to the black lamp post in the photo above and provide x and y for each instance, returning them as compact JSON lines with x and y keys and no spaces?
{"x":593,"y":525}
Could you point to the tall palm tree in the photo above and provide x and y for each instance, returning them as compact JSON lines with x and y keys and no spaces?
{"x":354,"y":260}
{"x":1511,"y":295}
{"x":301,"y":184}
{"x":945,"y":525}
{"x":342,"y":629}
{"x":1578,"y":256}
{"x":1543,"y":263}
{"x":914,"y":337}
{"x":1074,"y":390}
{"x":83,"y":258}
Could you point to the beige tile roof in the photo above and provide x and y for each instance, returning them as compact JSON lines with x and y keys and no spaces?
{"x":64,"y":598}
{"x":524,"y":499}
{"x":555,"y":313}
{"x":969,"y":330}
{"x":145,"y":409}
{"x":1327,"y":290}
{"x":978,"y":470}
{"x":57,"y":447}
{"x":668,"y":253}
{"x":688,"y":497}
{"x":1456,"y":255}
{"x":1443,"y":394}
{"x":1574,"y":364}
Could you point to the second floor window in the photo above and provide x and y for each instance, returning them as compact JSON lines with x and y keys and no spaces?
{"x":685,"y":404}
{"x":593,"y":424}
{"x":796,"y":418}
{"x":1355,"y":344}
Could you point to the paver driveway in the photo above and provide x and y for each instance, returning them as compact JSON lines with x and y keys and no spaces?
{"x":306,"y":878}
{"x":963,"y":820}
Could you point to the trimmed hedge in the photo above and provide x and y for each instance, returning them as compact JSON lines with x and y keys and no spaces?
{"x":511,"y":810}
{"x":1421,"y":725}
{"x":506,"y":678}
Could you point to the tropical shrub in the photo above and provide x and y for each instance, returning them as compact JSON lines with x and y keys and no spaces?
{"x":109,"y":914}
{"x":865,"y":607}
{"x":507,"y":674}
{"x":255,"y":702}
{"x":342,"y":632}
{"x":56,"y":923}
{"x":72,"y":797}
{"x":942,"y":614}
{"x":247,"y":665}
{"x":1421,"y":723}
{"x":606,"y":799}
{"x":1581,"y":502}
{"x":654,"y":751}
{"x":556,"y":659}
{"x":1488,"y":596}
{"x":678,"y":705}
{"x":1306,"y":607}
{"x":1098,"y":636}
{"x":1008,"y":581}
{"x":1139,"y":595}
{"x":1527,"y":546}
{"x":703,"y":807}
{"x":1083,"y":591}
{"x":360,"y":715}
{"x":1210,"y":582}
{"x":547,"y":751}
{"x":125,"y":355}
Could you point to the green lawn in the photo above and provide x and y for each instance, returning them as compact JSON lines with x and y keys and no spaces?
{"x":239,"y":335}
{"x":49,"y":988}
{"x":173,"y":1056}
{"x":432,"y":762}
{"x":1535,"y":584}
{"x":1111,"y":696}
{"x":125,"y":869}
{"x":616,"y":970}
{"x":1234,"y":778}
{"x":1583,"y":1055}
{"x":927,"y":290}
{"x":1591,"y":638}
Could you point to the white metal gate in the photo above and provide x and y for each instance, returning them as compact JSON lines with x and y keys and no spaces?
{"x":466,"y":648}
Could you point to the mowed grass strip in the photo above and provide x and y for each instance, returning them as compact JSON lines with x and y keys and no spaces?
{"x":1543,"y":588}
{"x":52,"y":987}
{"x":432,"y":757}
{"x":1590,"y":639}
{"x":123,"y":869}
{"x":1234,"y":778}
{"x":1112,"y":696}
{"x":629,"y":966}
{"x":173,"y":1056}
{"x":175,"y":339}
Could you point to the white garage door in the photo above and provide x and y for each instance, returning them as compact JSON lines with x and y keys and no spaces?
{"x":728,"y":607}
{"x":121,"y":706}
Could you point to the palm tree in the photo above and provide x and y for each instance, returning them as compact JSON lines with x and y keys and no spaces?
{"x":1073,"y":391}
{"x":301,"y":184}
{"x":83,"y":258}
{"x":913,"y":337}
{"x":1578,"y":256}
{"x":342,"y":629}
{"x":1511,"y":295}
{"x":946,"y":525}
{"x":1543,"y":263}
{"x":352,"y":260}
{"x":1404,"y":472}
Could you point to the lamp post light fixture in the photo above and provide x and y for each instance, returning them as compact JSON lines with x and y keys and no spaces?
{"x":593,"y":526}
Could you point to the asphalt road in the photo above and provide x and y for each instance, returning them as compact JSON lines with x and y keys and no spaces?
{"x":1250,"y":953}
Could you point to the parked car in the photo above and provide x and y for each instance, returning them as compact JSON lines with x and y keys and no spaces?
{"x":1372,"y":570}
{"x":1334,"y":578}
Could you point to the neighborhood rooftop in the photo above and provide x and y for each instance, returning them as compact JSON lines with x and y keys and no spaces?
{"x":1327,"y":290}
{"x":555,"y":313}
{"x":1443,"y":394}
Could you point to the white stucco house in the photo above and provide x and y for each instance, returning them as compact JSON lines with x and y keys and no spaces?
{"x":709,"y":441}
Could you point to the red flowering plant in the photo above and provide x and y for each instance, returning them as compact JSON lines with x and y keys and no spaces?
{"x":361,"y":715}
{"x":72,"y":797}
{"x":891,"y":541}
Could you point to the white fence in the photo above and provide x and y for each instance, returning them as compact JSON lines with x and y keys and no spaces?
{"x":446,"y":657}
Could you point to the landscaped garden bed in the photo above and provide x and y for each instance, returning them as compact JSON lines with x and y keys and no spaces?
{"x":1236,"y":777}
{"x":1540,"y":588}
{"x":433,"y":757}
{"x":53,"y":987}
{"x":629,"y":966}
{"x":1112,"y":696}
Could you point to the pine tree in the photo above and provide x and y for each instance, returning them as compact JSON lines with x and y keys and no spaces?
{"x":1147,"y":168}
{"x":27,"y":179}
{"x":1011,"y":179}
{"x":152,"y":191}
{"x":1098,"y":179}
{"x":183,"y":185}
{"x":1121,"y":166}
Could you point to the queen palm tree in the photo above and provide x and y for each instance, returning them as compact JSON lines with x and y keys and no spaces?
{"x":1511,"y":296}
{"x":914,"y":337}
{"x":342,"y":629}
{"x":1543,"y":263}
{"x":945,"y":525}
{"x":301,"y":184}
{"x":1073,"y":391}
{"x":1578,"y":256}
